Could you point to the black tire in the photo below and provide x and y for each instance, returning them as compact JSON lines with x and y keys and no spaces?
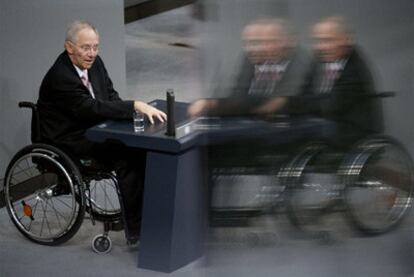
{"x":44,"y":194}
{"x":379,"y":180}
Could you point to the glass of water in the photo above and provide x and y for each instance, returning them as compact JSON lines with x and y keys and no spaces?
{"x":138,"y":121}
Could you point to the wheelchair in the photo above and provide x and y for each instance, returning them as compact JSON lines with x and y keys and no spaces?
{"x":370,"y":180}
{"x":47,"y":193}
{"x":372,"y":183}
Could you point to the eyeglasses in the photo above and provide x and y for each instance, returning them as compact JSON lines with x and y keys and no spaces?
{"x":87,"y":48}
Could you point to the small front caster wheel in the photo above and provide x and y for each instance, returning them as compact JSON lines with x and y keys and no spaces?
{"x":101,"y":244}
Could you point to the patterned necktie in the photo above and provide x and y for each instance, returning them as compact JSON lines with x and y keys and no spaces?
{"x":266,"y":76}
{"x":87,"y":84}
{"x":328,"y":77}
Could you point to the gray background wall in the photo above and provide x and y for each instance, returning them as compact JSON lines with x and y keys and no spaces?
{"x":3,"y":158}
{"x":32,"y":35}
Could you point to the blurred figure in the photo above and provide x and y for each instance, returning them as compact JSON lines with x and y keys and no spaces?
{"x":342,"y":79}
{"x":272,"y":70}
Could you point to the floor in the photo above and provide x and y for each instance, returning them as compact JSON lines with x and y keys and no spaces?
{"x":270,"y":246}
{"x":160,"y":56}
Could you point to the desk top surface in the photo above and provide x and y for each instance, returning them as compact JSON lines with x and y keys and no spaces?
{"x":202,"y":131}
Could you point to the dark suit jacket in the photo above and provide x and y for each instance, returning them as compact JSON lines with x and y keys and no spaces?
{"x":67,"y":109}
{"x":291,"y":84}
{"x":350,"y":101}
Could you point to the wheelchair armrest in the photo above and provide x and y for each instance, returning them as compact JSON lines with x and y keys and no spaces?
{"x":25,"y":104}
{"x":384,"y":94}
{"x":35,"y":136}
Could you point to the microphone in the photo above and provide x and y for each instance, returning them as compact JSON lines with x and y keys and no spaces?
{"x":170,"y":113}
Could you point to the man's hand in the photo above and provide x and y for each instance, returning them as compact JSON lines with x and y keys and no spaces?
{"x":270,"y":107}
{"x":150,"y":111}
{"x":200,"y":107}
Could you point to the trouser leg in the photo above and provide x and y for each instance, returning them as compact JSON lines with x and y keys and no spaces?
{"x":130,"y":175}
{"x":129,"y":165}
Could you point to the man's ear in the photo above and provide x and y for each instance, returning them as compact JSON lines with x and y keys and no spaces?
{"x":69,"y":47}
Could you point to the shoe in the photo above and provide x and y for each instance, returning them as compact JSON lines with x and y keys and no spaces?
{"x":133,"y":241}
{"x":133,"y":235}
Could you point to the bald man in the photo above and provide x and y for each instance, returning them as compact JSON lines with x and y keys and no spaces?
{"x":76,"y":94}
{"x":340,"y":75}
{"x":272,"y":69}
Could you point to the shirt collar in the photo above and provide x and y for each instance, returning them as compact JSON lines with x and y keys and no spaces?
{"x":337,"y":65}
{"x":81,"y":72}
{"x":273,"y":67}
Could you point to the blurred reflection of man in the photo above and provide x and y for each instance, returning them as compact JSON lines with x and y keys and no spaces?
{"x":342,"y":79}
{"x":272,"y":70}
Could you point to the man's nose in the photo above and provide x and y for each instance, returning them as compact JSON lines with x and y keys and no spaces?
{"x":92,"y":54}
{"x":320,"y":46}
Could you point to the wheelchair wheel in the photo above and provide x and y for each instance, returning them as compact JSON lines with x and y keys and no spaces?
{"x":378,"y":176}
{"x":312,"y":186}
{"x":44,"y":194}
{"x":102,"y":195}
{"x":102,"y":244}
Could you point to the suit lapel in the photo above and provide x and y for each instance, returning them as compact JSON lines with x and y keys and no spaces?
{"x":93,"y":78}
{"x":92,"y":75}
{"x":69,"y":64}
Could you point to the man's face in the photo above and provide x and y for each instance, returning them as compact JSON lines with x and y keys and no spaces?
{"x":84,"y":50}
{"x":265,"y":43}
{"x":329,"y":43}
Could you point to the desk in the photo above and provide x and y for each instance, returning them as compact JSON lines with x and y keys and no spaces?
{"x":175,"y":204}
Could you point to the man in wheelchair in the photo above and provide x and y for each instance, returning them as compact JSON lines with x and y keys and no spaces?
{"x":341,"y":82}
{"x":372,"y":173}
{"x":272,"y":70}
{"x":76,"y":94}
{"x":339,"y":88}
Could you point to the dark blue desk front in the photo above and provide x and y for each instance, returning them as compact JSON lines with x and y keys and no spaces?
{"x":175,"y":195}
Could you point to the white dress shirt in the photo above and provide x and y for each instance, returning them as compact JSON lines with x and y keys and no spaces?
{"x":83,"y":73}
